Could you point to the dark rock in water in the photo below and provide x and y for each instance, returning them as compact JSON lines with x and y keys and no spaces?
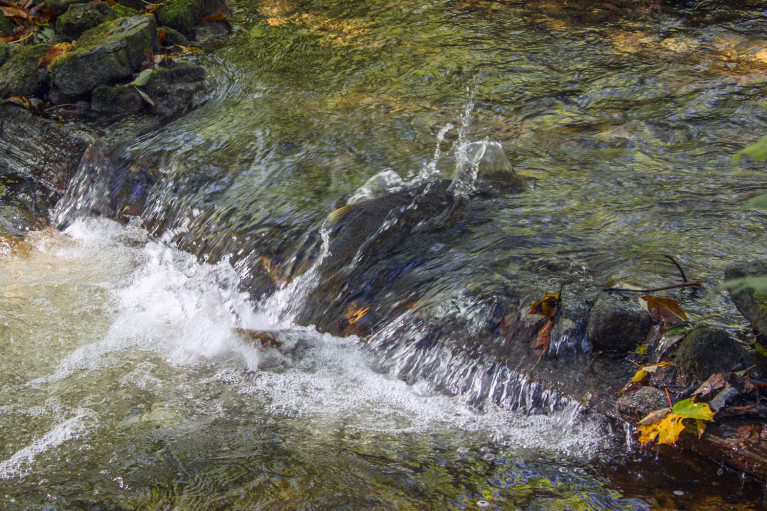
{"x":635,"y":406}
{"x":117,"y":99}
{"x":81,"y":17}
{"x":209,"y":29}
{"x":7,"y":50}
{"x":38,"y":148}
{"x":24,"y":204}
{"x":174,"y":88}
{"x":20,"y":75}
{"x":751,"y":303}
{"x":617,"y":323}
{"x":184,"y":15}
{"x":707,"y":350}
{"x":6,"y":27}
{"x":173,"y":37}
{"x":105,"y":54}
{"x":60,"y":6}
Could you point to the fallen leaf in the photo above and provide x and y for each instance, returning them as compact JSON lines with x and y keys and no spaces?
{"x":161,"y":34}
{"x":354,"y":313}
{"x":142,"y":78}
{"x":665,"y":310}
{"x":57,"y":51}
{"x":546,"y":307}
{"x":17,"y":100}
{"x":655,"y":416}
{"x":690,"y":409}
{"x":757,"y":150}
{"x":151,"y":8}
{"x":665,"y":431}
{"x":221,"y":16}
{"x":14,"y":12}
{"x":645,"y":371}
{"x":145,"y":97}
{"x":542,"y":342}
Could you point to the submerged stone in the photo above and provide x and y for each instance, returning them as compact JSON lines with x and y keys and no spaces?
{"x":20,"y":76}
{"x":751,"y":303}
{"x":103,"y":55}
{"x":707,"y":350}
{"x":617,"y":323}
{"x":81,"y":17}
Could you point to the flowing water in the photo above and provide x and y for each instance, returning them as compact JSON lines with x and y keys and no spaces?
{"x":179,"y":362}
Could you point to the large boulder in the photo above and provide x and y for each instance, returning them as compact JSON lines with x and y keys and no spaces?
{"x":707,"y":350}
{"x":105,"y":54}
{"x":38,"y":148}
{"x":20,"y":74}
{"x":617,"y":323}
{"x":751,"y":303}
{"x":81,"y":17}
{"x":184,"y":15}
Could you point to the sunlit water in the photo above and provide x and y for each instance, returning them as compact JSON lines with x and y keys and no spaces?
{"x":129,"y":379}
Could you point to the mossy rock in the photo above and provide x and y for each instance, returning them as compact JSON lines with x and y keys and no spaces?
{"x":103,"y":55}
{"x":117,"y":99}
{"x":174,"y":88}
{"x":123,"y":11}
{"x":173,"y":37}
{"x":134,"y":5}
{"x":707,"y":350}
{"x":751,"y":303}
{"x":6,"y":26}
{"x":81,"y":17}
{"x":617,"y":324}
{"x":183,"y":15}
{"x":7,"y":51}
{"x":20,"y":76}
{"x":60,"y":6}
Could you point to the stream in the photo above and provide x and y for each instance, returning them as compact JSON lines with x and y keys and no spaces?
{"x":223,"y":347}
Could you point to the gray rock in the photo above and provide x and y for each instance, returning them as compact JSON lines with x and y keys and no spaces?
{"x":20,"y":75}
{"x":752,"y":304}
{"x":81,"y":17}
{"x":105,"y":54}
{"x":38,"y":148}
{"x":208,"y":30}
{"x":184,"y":15}
{"x":60,"y":6}
{"x":123,"y":11}
{"x":707,"y":350}
{"x":117,"y":99}
{"x":173,"y":37}
{"x":174,"y":88}
{"x":617,"y":324}
{"x":635,"y":406}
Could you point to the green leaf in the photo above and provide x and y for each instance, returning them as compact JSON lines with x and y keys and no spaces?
{"x":760,"y":201}
{"x":145,"y":97}
{"x":142,"y":78}
{"x":757,"y":151}
{"x":689,"y":409}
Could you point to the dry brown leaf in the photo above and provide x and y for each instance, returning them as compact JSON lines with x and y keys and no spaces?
{"x":56,"y":52}
{"x":14,"y":12}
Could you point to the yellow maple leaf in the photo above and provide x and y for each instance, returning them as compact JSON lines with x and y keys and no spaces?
{"x":666,"y":430}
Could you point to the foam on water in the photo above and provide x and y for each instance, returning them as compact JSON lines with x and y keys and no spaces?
{"x":191,"y":314}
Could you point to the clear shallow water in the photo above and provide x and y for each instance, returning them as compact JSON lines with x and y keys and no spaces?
{"x":126,"y":385}
{"x":129,"y":382}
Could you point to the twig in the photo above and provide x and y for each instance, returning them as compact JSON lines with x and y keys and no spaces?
{"x":653,"y":290}
{"x":54,"y":107}
{"x":684,"y":277}
{"x":669,"y":398}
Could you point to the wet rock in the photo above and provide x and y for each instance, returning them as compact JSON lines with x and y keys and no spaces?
{"x":184,"y":15}
{"x":20,"y":75}
{"x":135,"y":5}
{"x":117,"y":99}
{"x":384,"y":182}
{"x":707,"y":350}
{"x":173,"y":37}
{"x":635,"y":406}
{"x":81,"y":17}
{"x":7,"y":51}
{"x":617,"y":323}
{"x":38,"y":148}
{"x":174,"y":88}
{"x":752,"y":304}
{"x":105,"y":54}
{"x":209,"y":29}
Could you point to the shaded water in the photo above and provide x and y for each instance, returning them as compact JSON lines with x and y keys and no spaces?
{"x":129,"y":383}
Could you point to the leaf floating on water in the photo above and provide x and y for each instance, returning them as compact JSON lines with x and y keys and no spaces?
{"x":546,"y":307}
{"x":55,"y":53}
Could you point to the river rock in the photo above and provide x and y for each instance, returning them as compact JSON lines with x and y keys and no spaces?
{"x":173,"y":88}
{"x":60,"y":6}
{"x":707,"y":350}
{"x":617,"y":323}
{"x":184,"y":15}
{"x":751,"y":303}
{"x":6,"y":27}
{"x":635,"y":406}
{"x":123,"y":11}
{"x":20,"y":75}
{"x":103,"y":55}
{"x":81,"y":17}
{"x":117,"y":99}
{"x":38,"y":148}
{"x":173,"y":37}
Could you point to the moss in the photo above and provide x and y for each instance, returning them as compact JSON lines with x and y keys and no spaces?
{"x":707,"y":350}
{"x":7,"y":51}
{"x":182,"y":15}
{"x":6,"y":27}
{"x":82,"y":17}
{"x":123,"y":11}
{"x":20,"y":76}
